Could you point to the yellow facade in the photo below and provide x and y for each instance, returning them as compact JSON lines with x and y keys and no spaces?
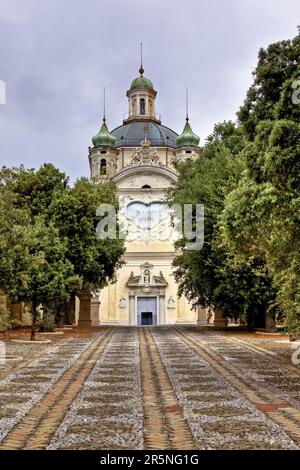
{"x":141,"y":163}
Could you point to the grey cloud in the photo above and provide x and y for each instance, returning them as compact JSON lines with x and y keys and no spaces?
{"x":56,"y":56}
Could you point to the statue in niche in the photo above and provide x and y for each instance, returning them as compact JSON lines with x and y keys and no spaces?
{"x":95,"y":168}
{"x":147,"y":276}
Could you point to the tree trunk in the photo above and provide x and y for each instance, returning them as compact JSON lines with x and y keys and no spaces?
{"x":34,"y":320}
{"x":60,"y":316}
{"x":270,"y":321}
{"x":71,"y":306}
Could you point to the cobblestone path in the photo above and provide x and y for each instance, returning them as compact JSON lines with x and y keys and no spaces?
{"x":151,"y":388}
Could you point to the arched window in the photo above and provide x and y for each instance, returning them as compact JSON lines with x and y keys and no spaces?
{"x":103,"y":167}
{"x":142,"y":106}
{"x":146,"y":186}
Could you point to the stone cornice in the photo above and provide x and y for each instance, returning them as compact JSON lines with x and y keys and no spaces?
{"x":145,"y":169}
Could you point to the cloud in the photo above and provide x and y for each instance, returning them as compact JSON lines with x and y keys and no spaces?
{"x":56,"y":57}
{"x":15,"y":12}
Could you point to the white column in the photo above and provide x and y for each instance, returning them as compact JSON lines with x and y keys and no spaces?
{"x":162,"y":308}
{"x":131,"y":308}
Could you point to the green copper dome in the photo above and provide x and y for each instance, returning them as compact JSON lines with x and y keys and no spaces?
{"x":104,"y":138}
{"x":141,"y":82}
{"x":187,"y":137}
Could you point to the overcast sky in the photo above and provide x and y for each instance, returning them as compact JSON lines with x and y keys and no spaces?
{"x":57,"y":55}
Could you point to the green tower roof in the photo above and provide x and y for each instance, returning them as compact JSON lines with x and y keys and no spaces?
{"x":104,"y":138}
{"x":141,"y":82}
{"x":187,"y":137}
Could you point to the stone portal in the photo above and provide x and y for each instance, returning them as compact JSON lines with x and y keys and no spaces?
{"x":147,"y":304}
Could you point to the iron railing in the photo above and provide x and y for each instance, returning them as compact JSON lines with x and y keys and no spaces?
{"x":155,"y":116}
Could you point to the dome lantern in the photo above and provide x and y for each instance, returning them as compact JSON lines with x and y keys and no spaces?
{"x":141,"y":83}
{"x":141,"y":96}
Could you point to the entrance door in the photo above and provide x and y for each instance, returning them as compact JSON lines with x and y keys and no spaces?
{"x":147,"y":318}
{"x":146,"y":311}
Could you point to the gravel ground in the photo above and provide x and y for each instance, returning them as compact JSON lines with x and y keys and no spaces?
{"x":218,"y":415}
{"x":109,"y":411}
{"x":262,"y":368}
{"x":22,"y":389}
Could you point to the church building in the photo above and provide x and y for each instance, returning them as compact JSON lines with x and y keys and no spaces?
{"x":139,"y":157}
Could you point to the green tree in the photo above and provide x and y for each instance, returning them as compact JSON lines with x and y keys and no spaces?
{"x":35,"y":189}
{"x":49,"y":276}
{"x":211,"y":277}
{"x":225,"y":135}
{"x":33,"y":264}
{"x":41,"y":204}
{"x":74,"y":213}
{"x":261,"y":216}
{"x":276,"y":66}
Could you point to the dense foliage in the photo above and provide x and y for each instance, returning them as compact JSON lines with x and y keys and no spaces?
{"x":248,"y":178}
{"x":211,"y":277}
{"x":49,"y":249}
{"x":262,"y":214}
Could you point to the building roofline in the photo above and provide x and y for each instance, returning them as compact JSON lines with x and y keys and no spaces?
{"x":143,"y":120}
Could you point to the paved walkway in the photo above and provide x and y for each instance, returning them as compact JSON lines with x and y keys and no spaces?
{"x":152,"y":388}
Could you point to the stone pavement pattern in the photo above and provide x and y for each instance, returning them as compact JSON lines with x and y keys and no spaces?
{"x":151,"y":388}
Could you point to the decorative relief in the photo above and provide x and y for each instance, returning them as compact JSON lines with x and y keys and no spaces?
{"x":173,"y":160}
{"x":147,"y":290}
{"x":131,"y":294}
{"x":144,"y":221}
{"x":145,"y":155}
{"x":146,"y":280}
{"x":122,"y":303}
{"x":96,"y":296}
{"x":171,"y":304}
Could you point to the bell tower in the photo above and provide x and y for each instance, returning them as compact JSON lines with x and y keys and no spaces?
{"x":187,"y":142}
{"x":103,"y":155}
